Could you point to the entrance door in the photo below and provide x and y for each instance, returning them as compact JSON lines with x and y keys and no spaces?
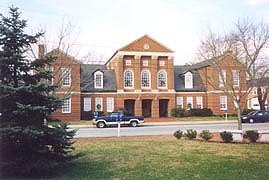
{"x":146,"y":107}
{"x":129,"y":105}
{"x":163,"y":107}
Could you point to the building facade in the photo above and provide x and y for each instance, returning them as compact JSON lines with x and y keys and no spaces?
{"x":141,"y":78}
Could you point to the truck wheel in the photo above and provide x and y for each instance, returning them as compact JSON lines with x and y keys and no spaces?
{"x":133,"y":123}
{"x":101,"y":124}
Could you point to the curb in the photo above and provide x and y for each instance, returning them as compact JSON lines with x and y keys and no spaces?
{"x":164,"y":123}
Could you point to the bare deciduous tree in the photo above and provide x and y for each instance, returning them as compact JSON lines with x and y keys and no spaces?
{"x":249,"y":43}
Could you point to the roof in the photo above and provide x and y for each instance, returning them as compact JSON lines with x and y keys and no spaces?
{"x":87,"y":78}
{"x":138,"y":45}
{"x":263,"y":82}
{"x":144,"y":44}
{"x":179,"y":75}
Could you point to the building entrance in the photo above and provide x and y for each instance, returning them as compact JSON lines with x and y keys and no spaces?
{"x":163,"y":107}
{"x":129,"y":105}
{"x":146,"y":107}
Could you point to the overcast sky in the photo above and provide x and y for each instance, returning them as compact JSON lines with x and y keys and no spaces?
{"x":103,"y":26}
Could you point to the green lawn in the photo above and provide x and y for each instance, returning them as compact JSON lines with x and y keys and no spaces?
{"x":169,"y":159}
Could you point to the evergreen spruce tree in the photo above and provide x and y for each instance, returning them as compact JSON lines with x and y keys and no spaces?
{"x":28,"y":146}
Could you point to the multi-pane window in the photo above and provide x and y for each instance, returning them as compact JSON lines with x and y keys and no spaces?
{"x":179,"y":102}
{"x":223,"y":102}
{"x":109,"y":104}
{"x":145,"y":63}
{"x":87,"y":104}
{"x":98,"y":104}
{"x":98,"y":79}
{"x":66,"y":76}
{"x":222,"y":78}
{"x":161,"y":63}
{"x":189,"y":102}
{"x":128,"y":79}
{"x":145,"y":79}
{"x":162,"y":79}
{"x":66,"y":106}
{"x":188,"y":80}
{"x":128,"y":62}
{"x":199,"y":102}
{"x":235,"y":77}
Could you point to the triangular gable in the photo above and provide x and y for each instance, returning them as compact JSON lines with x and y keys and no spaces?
{"x":145,"y":44}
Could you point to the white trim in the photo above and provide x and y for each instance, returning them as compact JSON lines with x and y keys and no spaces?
{"x":225,"y":92}
{"x":190,"y":93}
{"x":64,"y":92}
{"x":136,"y":53}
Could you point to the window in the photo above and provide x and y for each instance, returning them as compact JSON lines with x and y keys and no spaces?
{"x":145,"y":79}
{"x":235,"y":76}
{"x":223,"y":102}
{"x":161,"y":63}
{"x":189,"y":102}
{"x":222,"y":78}
{"x":188,"y":80}
{"x":128,"y":62}
{"x":87,"y":104}
{"x":66,"y":106}
{"x":145,"y":63}
{"x":128,"y":79}
{"x":199,"y":102}
{"x":98,"y":79}
{"x":98,"y":104}
{"x":66,"y":77}
{"x":110,"y":104}
{"x":179,"y":102}
{"x":162,"y":78}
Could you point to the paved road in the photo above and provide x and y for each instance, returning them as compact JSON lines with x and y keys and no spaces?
{"x":164,"y":130}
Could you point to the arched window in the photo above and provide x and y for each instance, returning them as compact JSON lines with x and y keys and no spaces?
{"x":128,"y":79}
{"x":188,"y":80}
{"x":162,"y":79}
{"x":98,"y":79}
{"x":145,"y":79}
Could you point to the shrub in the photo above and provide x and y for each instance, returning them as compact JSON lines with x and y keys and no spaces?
{"x":201,"y":112}
{"x":177,"y":112}
{"x":191,"y":133}
{"x":206,"y":135}
{"x":252,"y":135}
{"x":178,"y":134}
{"x":226,"y":136}
{"x":246,"y":111}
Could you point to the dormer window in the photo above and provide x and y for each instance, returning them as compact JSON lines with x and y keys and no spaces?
{"x":188,"y":80}
{"x":98,"y":79}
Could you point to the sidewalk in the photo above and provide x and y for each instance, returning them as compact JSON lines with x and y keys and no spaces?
{"x":166,"y":123}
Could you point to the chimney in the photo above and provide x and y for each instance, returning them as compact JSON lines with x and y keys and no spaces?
{"x":41,"y":50}
{"x":228,"y":52}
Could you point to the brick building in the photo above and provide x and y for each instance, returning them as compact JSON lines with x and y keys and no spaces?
{"x":142,"y":79}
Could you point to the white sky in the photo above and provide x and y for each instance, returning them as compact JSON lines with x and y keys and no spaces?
{"x":103,"y":26}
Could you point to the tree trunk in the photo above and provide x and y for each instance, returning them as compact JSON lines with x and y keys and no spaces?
{"x":261,"y":98}
{"x":239,"y":122}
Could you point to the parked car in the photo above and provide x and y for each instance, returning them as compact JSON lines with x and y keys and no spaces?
{"x":115,"y":117}
{"x":256,"y":116}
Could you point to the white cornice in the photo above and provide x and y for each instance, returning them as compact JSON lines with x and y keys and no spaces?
{"x":137,"y":53}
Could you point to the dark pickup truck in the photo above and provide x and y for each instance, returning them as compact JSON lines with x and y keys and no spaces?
{"x":116,"y":117}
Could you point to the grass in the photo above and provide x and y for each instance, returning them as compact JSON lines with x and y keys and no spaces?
{"x":168,"y":159}
{"x":79,"y":122}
